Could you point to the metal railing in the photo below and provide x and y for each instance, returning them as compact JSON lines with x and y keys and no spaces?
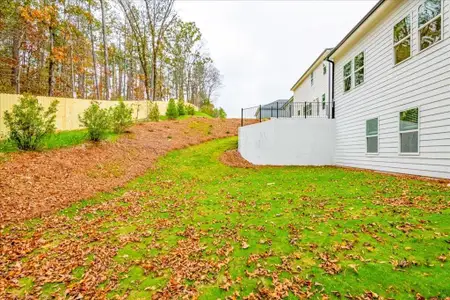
{"x":287,"y":110}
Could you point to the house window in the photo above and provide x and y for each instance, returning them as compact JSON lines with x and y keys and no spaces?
{"x":324,"y":69}
{"x":402,"y":40}
{"x":430,"y":23}
{"x":372,"y":136}
{"x":409,"y":131}
{"x":348,"y":76}
{"x":323,"y":101}
{"x":359,"y":69}
{"x":312,"y":78}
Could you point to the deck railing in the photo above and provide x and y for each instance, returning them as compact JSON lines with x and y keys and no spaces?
{"x":287,"y":110}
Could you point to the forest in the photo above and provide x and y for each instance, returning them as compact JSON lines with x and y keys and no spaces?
{"x":104,"y":49}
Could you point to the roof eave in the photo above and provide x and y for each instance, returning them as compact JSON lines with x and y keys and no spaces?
{"x":320,"y":58}
{"x":354,"y":29}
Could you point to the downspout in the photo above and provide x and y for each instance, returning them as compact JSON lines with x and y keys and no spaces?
{"x":331,"y":86}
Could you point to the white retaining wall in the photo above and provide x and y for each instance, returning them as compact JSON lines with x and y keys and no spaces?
{"x":291,"y":141}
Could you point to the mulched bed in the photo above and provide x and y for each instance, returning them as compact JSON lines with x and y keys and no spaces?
{"x":233,"y":158}
{"x":38,"y":183}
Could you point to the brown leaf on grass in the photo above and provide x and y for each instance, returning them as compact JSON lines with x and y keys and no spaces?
{"x":244,"y":245}
{"x":226,"y":250}
{"x":354,"y":267}
{"x":227,"y":282}
{"x":442,"y":258}
{"x":420,"y":297}
{"x":255,"y":257}
{"x":329,"y":265}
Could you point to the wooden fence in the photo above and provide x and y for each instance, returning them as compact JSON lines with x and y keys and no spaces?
{"x":69,"y":109}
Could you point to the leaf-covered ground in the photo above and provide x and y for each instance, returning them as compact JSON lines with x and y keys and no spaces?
{"x":195,"y":227}
{"x":38,"y":183}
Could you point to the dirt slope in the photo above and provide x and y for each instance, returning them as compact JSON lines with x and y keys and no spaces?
{"x":34,"y":184}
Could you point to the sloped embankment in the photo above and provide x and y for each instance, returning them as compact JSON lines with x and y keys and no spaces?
{"x":34,"y":184}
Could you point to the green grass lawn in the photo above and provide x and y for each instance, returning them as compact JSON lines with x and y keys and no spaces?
{"x":58,"y":140}
{"x":194,"y":226}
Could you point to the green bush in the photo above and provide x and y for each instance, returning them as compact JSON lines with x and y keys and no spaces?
{"x":181,"y":108}
{"x":154,"y":113}
{"x":172,"y":111}
{"x":29,"y":123}
{"x":207,"y":108}
{"x":97,"y":121}
{"x":121,"y":117}
{"x":222,"y":113}
{"x":190,"y":110}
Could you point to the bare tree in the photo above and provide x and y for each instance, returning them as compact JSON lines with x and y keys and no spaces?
{"x":160,"y":16}
{"x":105,"y":51}
{"x":140,"y":37}
{"x":94,"y":58}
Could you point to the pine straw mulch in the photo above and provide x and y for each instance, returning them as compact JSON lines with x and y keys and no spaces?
{"x":38,"y":183}
{"x":233,"y":158}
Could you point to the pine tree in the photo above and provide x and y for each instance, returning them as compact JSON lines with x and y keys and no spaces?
{"x":172,"y":111}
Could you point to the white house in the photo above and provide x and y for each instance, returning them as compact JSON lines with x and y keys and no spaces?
{"x":392,"y":89}
{"x":391,"y":93}
{"x":312,"y":91}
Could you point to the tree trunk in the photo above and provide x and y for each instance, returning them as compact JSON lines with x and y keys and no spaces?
{"x":15,"y":80}
{"x":51,"y":66}
{"x":94,"y":59}
{"x":105,"y":50}
{"x":72,"y":73}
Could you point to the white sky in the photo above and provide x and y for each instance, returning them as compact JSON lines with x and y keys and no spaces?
{"x":262,"y":47}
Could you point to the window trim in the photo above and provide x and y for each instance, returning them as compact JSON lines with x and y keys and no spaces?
{"x":427,"y":23}
{"x":373,"y":135}
{"x":349,"y":76}
{"x":400,"y":41}
{"x":400,"y":153}
{"x":363,"y":67}
{"x":312,"y":78}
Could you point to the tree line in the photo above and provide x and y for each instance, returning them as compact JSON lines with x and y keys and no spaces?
{"x":103,"y":49}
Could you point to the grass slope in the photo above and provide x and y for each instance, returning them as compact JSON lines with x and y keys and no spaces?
{"x":195,"y":226}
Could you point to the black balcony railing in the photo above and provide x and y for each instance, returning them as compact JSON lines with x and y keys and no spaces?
{"x":287,"y":110}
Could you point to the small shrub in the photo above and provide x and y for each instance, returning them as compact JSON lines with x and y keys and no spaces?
{"x":121,"y":117}
{"x":181,"y":108}
{"x":190,"y":110}
{"x":97,"y":121}
{"x":154,"y":113}
{"x":222,"y":113}
{"x":172,"y":111}
{"x":29,"y":123}
{"x":208,"y":109}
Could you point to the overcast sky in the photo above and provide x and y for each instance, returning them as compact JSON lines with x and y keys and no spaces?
{"x":262,"y":47}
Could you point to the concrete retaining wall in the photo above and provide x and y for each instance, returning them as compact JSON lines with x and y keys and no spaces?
{"x":289,"y":142}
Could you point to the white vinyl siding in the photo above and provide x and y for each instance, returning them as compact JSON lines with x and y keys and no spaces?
{"x":307,"y":93}
{"x":421,"y":81}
